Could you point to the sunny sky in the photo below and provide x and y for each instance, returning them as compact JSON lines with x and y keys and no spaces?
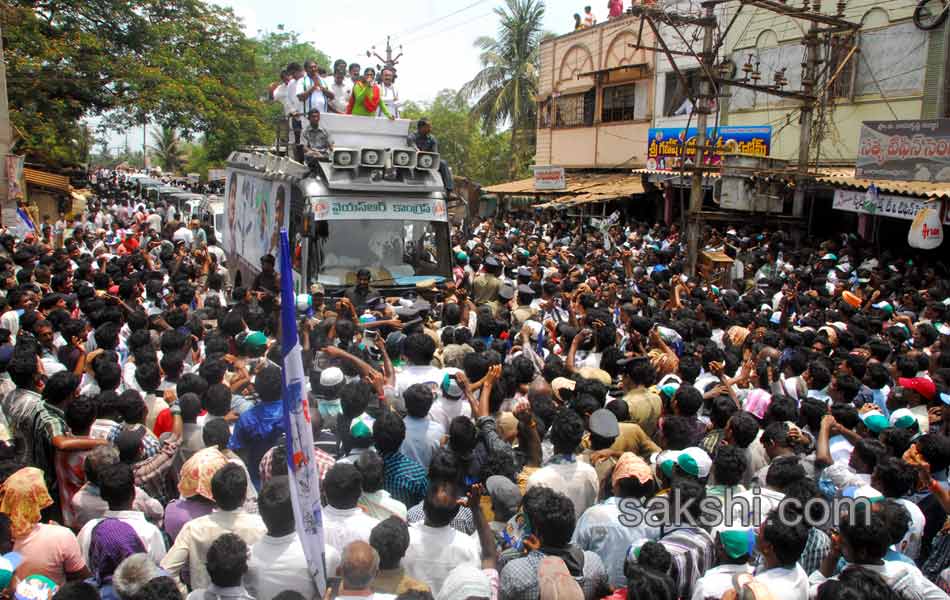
{"x":436,"y":36}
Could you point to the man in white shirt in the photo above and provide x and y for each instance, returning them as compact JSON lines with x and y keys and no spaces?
{"x":310,"y":89}
{"x":388,"y":93}
{"x":419,"y":349}
{"x":229,"y":488}
{"x":117,"y":487}
{"x":183,"y":234}
{"x":277,"y":562}
{"x":563,"y":472}
{"x":863,"y":545}
{"x":435,"y":547}
{"x":341,"y":88}
{"x":781,"y":544}
{"x":343,"y":521}
{"x":733,"y":546}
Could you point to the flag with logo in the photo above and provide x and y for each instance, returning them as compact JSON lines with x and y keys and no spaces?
{"x":301,"y":464}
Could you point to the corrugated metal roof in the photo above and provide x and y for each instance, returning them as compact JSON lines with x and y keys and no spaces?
{"x":575,"y":182}
{"x":845,"y":178}
{"x":49,"y":180}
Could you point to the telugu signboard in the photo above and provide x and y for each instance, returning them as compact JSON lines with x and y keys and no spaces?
{"x":549,"y":178}
{"x":896,"y":207}
{"x":904,"y":150}
{"x":328,"y":209}
{"x":665,"y":145}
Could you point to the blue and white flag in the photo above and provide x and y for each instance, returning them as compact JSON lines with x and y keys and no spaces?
{"x":301,"y":465}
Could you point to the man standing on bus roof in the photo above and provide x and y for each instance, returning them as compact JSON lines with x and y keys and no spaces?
{"x":341,"y":87}
{"x":423,"y":140}
{"x":362,"y":291}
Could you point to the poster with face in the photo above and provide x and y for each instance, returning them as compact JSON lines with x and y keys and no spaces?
{"x":256,"y":211}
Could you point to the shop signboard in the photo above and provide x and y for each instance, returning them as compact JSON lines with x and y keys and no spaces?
{"x":665,"y":145}
{"x":904,"y":150}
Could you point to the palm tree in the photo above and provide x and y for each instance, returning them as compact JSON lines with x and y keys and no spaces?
{"x":507,"y":85}
{"x":167,"y":148}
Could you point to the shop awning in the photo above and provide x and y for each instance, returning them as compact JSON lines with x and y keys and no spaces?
{"x":47,"y":180}
{"x":581,"y":187}
{"x":845,"y":178}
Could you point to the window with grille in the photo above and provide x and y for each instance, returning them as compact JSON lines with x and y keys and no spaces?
{"x":838,"y":51}
{"x":677,"y":101}
{"x":619,"y":103}
{"x":575,"y":110}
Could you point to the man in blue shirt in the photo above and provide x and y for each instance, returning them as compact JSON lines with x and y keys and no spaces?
{"x":261,"y":427}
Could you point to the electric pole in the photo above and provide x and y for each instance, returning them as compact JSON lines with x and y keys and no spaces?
{"x":6,"y":134}
{"x":809,"y":82}
{"x":703,"y":102}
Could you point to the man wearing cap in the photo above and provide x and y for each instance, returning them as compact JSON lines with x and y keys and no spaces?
{"x":919,"y":392}
{"x":734,"y":546}
{"x":486,"y":284}
{"x":610,"y":527}
{"x":524,"y":311}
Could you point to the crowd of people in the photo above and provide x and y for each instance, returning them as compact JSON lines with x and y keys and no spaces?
{"x":512,"y":433}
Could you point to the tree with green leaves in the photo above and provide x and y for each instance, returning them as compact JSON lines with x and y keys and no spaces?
{"x":167,"y":148}
{"x":184,"y":64}
{"x":505,"y":88}
{"x":482,"y":156}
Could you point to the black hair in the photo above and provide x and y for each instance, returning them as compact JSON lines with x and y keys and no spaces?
{"x":863,"y":532}
{"x":688,"y":400}
{"x":80,"y":415}
{"x":783,"y":471}
{"x":389,"y":431}
{"x":275,"y":506}
{"x":787,"y":539}
{"x":418,"y":399}
{"x":159,"y":588}
{"x":216,"y":433}
{"x":551,"y":515}
{"x":372,"y":469}
{"x":390,"y":539}
{"x":117,"y":485}
{"x":440,"y":504}
{"x":343,"y":485}
{"x":76,"y":590}
{"x":229,"y":487}
{"x":935,"y":448}
{"x":729,"y":465}
{"x":894,"y":477}
{"x":60,"y":387}
{"x":217,"y":400}
{"x":567,"y":430}
{"x":744,"y":428}
{"x":856,"y":583}
{"x":419,"y":349}
{"x":648,"y":583}
{"x":678,"y":432}
{"x":897,"y":520}
{"x":227,"y":560}
{"x":268,"y":384}
{"x":723,"y":407}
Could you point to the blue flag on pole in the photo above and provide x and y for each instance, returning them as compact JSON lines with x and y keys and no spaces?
{"x":301,"y":465}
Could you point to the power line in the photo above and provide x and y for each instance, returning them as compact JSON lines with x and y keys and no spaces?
{"x":427,"y":35}
{"x":417,"y":28}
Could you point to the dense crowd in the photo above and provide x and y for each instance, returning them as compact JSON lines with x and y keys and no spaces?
{"x":567,"y":416}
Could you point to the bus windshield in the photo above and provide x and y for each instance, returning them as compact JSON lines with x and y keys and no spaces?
{"x":394,"y":251}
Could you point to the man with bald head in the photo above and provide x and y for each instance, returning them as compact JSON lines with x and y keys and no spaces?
{"x":359,"y":566}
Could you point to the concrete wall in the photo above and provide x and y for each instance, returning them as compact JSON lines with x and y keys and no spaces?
{"x":589,"y":59}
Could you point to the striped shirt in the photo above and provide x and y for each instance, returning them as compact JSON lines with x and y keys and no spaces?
{"x":404,"y":479}
{"x":693,"y":552}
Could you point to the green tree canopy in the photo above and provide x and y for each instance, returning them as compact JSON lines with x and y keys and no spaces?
{"x":184,"y":64}
{"x":506,"y":87}
{"x":482,"y":156}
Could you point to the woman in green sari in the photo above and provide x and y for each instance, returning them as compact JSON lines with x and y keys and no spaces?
{"x":365,"y":99}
